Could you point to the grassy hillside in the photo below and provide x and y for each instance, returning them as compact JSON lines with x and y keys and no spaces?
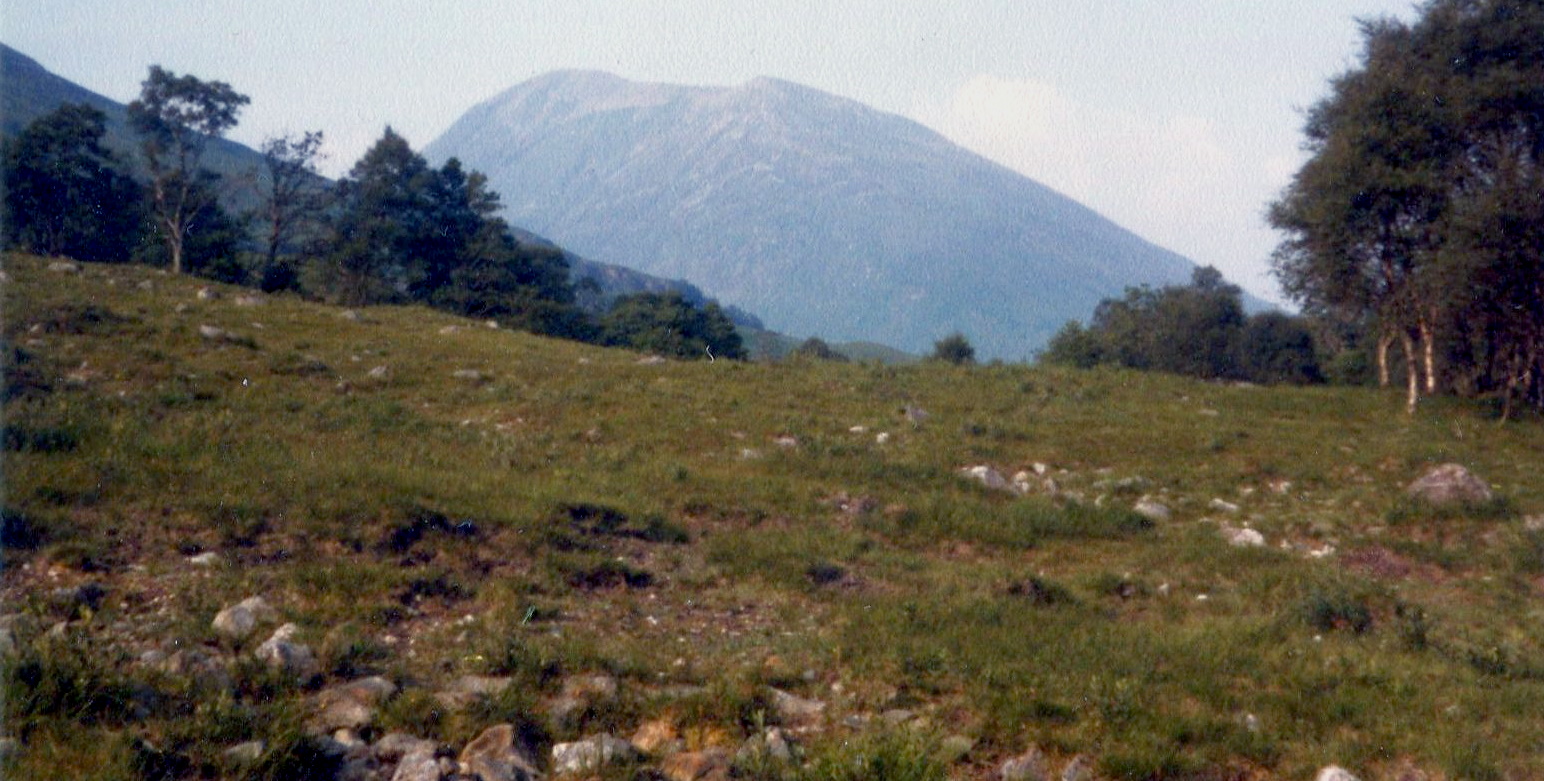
{"x":428,"y":498}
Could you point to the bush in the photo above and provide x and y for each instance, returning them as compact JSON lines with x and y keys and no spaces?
{"x":955,"y":349}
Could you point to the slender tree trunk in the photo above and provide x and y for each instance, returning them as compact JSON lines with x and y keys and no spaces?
{"x":1428,"y":354}
{"x":1412,"y":373}
{"x":1384,"y":341}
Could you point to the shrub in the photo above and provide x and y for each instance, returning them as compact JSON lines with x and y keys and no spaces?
{"x":955,"y":349}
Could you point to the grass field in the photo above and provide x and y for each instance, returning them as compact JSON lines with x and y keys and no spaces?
{"x":428,"y":497}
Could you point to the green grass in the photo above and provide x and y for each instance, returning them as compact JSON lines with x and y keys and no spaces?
{"x":594,"y":514}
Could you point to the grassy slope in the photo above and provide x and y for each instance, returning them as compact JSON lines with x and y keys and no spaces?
{"x":141,"y":442}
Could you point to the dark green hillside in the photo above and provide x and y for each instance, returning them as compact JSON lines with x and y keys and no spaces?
{"x":510,"y":530}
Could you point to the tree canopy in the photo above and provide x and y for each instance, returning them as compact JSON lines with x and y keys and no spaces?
{"x":1418,"y":214}
{"x":65,"y":193}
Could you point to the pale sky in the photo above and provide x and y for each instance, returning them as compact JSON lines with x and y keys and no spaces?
{"x":1178,"y":119}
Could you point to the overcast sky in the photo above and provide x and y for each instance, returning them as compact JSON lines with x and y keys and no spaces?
{"x":1179,"y":119}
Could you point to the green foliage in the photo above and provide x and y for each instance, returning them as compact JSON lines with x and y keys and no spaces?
{"x":1418,"y":212}
{"x":955,"y":349}
{"x":816,"y":348}
{"x":890,"y":755}
{"x":667,"y":324}
{"x":1197,"y":330}
{"x":176,"y":117}
{"x":64,"y":193}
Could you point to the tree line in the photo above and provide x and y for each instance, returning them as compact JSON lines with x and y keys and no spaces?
{"x":1417,"y":221}
{"x":393,"y":230}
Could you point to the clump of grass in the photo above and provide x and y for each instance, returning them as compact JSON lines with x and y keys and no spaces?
{"x":64,"y":677}
{"x":1409,"y":509}
{"x":891,"y":755}
{"x":1332,"y":608}
{"x":1042,"y":592}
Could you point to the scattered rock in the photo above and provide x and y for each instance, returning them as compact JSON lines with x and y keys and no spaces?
{"x":244,"y":753}
{"x":351,"y":705}
{"x":466,"y":690}
{"x":1028,"y":766}
{"x":579,"y":693}
{"x":987,"y":476}
{"x":1081,"y":768}
{"x":657,"y":738}
{"x":772,"y":744}
{"x":710,"y":764}
{"x":350,"y":315}
{"x":1243,"y":538}
{"x":1223,"y":505}
{"x":248,"y":300}
{"x":449,"y":329}
{"x":797,"y":711}
{"x":379,"y":372}
{"x":205,"y":559}
{"x":237,"y":621}
{"x":591,"y":754}
{"x":212,"y":334}
{"x":496,"y":756}
{"x":1533,"y":523}
{"x":64,"y":266}
{"x":1450,"y":484}
{"x":208,"y":294}
{"x":470,"y":375}
{"x":882,"y":437}
{"x":420,"y":765}
{"x":1152,"y":510}
{"x":282,"y":652}
{"x":651,"y":360}
{"x":1335,"y":773}
{"x":205,"y":670}
{"x":786,"y":441}
{"x":393,"y":746}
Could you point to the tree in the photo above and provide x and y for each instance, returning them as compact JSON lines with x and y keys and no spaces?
{"x":64,"y":194}
{"x":1421,"y":195}
{"x":667,"y":324}
{"x":176,"y":116}
{"x":955,"y":349}
{"x":296,"y":194}
{"x":817,"y":349}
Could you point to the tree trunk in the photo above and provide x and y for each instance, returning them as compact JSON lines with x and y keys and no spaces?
{"x":1412,"y":373}
{"x":1384,"y":341}
{"x":1428,"y":354}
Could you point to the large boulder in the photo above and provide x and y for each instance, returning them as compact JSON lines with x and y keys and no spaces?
{"x":1450,"y":484}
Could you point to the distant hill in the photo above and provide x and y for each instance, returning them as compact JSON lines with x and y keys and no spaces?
{"x":29,"y":91}
{"x":824,"y":216}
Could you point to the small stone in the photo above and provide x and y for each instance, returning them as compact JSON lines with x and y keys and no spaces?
{"x":212,"y":333}
{"x":1081,"y":768}
{"x":205,"y":559}
{"x":470,"y":375}
{"x":350,"y":315}
{"x":1028,"y":766}
{"x":244,"y":753}
{"x":882,"y":437}
{"x":651,"y":360}
{"x":1152,"y":510}
{"x":466,"y":690}
{"x":419,"y":765}
{"x":282,"y":652}
{"x":238,"y":620}
{"x":495,"y":755}
{"x":351,"y":705}
{"x":1243,"y":538}
{"x":711,"y":764}
{"x":795,"y":710}
{"x":786,"y":441}
{"x":208,"y":294}
{"x":591,"y":754}
{"x":987,"y":476}
{"x":379,"y":372}
{"x":248,"y":300}
{"x":1334,"y":773}
{"x":656,"y":737}
{"x":395,"y":745}
{"x":449,"y":329}
{"x":1222,"y":505}
{"x":64,"y":267}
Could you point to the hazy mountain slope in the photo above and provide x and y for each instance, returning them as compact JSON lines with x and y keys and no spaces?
{"x":820,"y":214}
{"x":29,"y":90}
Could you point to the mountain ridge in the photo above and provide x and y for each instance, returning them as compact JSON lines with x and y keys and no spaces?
{"x":825,"y":216}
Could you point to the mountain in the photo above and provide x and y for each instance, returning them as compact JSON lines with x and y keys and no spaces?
{"x":28,"y":91}
{"x":824,"y":216}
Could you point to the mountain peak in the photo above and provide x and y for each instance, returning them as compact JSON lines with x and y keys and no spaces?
{"x":821,"y":214}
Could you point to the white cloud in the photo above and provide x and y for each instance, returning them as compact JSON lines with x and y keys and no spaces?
{"x":1177,"y":180}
